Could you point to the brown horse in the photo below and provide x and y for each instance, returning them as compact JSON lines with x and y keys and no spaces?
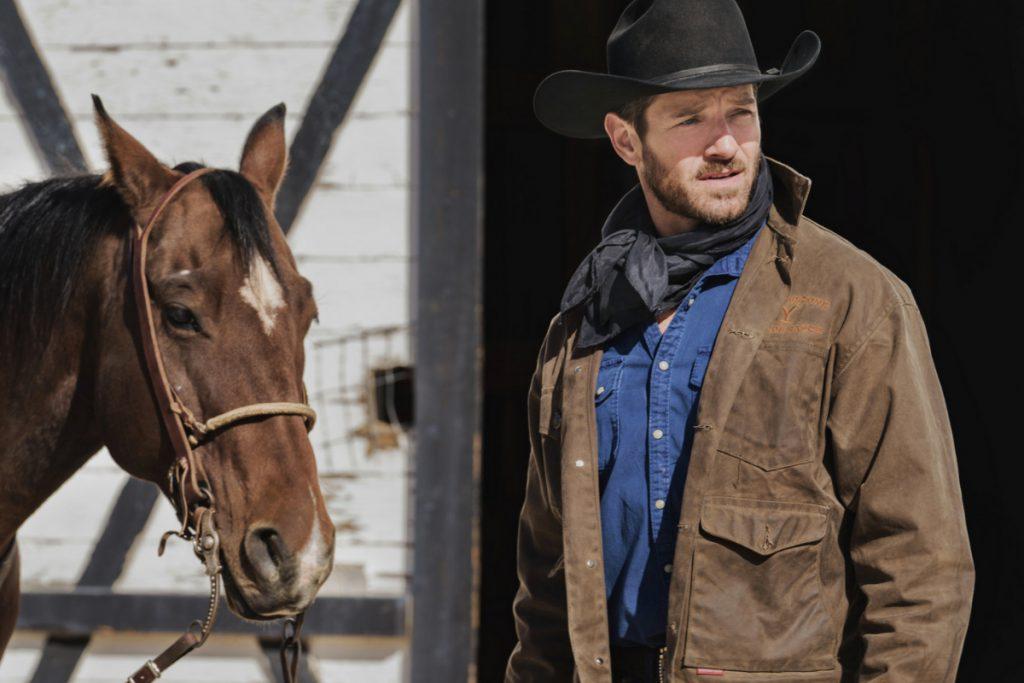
{"x":231,"y":312}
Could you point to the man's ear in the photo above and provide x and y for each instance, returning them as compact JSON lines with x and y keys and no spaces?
{"x":265,"y":155}
{"x":623,"y":137}
{"x":138,"y":176}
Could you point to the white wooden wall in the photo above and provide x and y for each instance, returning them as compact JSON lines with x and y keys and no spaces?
{"x":188,"y":79}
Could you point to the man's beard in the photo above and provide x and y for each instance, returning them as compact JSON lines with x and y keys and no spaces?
{"x":685,"y":199}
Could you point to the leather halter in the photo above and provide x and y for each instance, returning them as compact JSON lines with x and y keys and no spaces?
{"x":189,"y":489}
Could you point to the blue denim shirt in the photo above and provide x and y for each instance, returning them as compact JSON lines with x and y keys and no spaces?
{"x":646,"y":404}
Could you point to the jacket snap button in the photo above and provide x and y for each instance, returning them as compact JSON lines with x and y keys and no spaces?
{"x":591,"y":563}
{"x":577,"y":369}
{"x":599,"y":660}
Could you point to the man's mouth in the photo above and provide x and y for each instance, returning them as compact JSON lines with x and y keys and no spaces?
{"x":720,"y":176}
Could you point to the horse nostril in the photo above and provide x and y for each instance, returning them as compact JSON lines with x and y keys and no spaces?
{"x":267,"y":551}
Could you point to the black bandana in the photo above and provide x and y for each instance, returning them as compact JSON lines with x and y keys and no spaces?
{"x":633,"y":274}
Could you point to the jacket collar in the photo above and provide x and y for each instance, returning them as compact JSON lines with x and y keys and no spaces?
{"x":790,"y":197}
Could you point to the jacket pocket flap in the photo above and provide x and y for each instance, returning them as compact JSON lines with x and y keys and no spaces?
{"x":764,"y":526}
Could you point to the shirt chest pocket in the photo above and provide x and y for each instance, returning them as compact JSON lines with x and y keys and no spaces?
{"x":606,"y":406}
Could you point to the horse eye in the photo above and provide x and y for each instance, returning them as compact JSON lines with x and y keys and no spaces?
{"x":182,"y":318}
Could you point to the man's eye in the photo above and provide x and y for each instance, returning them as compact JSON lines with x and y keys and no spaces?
{"x":687,"y":122}
{"x":181,"y":318}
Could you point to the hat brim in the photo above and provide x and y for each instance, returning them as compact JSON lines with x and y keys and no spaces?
{"x":574,"y":103}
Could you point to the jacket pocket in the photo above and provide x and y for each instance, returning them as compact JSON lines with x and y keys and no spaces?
{"x":756,"y":601}
{"x":774,"y":419}
{"x":606,"y":405}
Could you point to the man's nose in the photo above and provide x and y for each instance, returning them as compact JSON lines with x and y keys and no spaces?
{"x":723,"y":147}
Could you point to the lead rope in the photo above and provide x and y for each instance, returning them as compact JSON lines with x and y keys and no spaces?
{"x":206,"y":545}
{"x":291,"y":648}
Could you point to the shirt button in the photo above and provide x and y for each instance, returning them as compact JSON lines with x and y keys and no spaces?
{"x":579,"y":463}
{"x":657,"y":433}
{"x":668,"y":569}
{"x":663,"y":365}
{"x":660,"y":504}
{"x":600,"y":390}
{"x":690,"y":302}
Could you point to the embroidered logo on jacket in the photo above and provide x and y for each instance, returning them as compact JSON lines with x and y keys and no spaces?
{"x":788,"y":322}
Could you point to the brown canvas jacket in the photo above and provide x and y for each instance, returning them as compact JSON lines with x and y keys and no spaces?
{"x":822,"y":532}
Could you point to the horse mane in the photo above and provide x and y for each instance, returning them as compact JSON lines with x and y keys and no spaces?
{"x":48,"y":230}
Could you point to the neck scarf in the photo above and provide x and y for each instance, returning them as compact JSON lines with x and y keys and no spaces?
{"x":633,"y":274}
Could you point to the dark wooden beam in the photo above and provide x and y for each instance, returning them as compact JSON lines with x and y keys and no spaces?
{"x":32,"y":91}
{"x":447,"y":241}
{"x":127,"y":519}
{"x":331,"y":101}
{"x":124,"y":524}
{"x":59,"y":659}
{"x":84,"y":610}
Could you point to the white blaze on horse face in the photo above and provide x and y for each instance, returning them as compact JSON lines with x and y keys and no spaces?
{"x":262,"y":291}
{"x":313,"y":554}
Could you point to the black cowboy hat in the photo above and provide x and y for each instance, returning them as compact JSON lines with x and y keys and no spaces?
{"x":660,"y":46}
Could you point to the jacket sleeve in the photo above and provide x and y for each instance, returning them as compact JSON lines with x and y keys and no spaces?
{"x":543,"y":653}
{"x":896,"y":471}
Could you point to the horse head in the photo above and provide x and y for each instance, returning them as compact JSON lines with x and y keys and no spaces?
{"x":230,"y":312}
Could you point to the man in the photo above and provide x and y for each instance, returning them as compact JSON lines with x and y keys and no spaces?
{"x":741,"y":463}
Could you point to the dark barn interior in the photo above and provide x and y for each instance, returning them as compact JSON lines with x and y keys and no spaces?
{"x":909,"y":125}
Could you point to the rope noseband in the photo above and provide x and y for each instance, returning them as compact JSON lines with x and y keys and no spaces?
{"x":189,"y":488}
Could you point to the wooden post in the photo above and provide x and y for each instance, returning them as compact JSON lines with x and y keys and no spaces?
{"x":447,"y":243}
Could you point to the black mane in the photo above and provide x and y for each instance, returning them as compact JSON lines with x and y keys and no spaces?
{"x":49,"y":228}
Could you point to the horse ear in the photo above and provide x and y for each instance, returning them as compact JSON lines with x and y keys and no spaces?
{"x":136,"y":173}
{"x":265,"y":155}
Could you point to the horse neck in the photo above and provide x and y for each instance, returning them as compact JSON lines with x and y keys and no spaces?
{"x":47,"y":419}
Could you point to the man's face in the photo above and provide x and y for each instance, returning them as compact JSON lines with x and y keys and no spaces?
{"x":701,"y":151}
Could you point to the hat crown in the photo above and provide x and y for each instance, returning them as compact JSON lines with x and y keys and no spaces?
{"x":657,"y":38}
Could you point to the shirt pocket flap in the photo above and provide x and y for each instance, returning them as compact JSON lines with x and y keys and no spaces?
{"x":764,"y":526}
{"x":608,"y":377}
{"x":699,"y":367}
